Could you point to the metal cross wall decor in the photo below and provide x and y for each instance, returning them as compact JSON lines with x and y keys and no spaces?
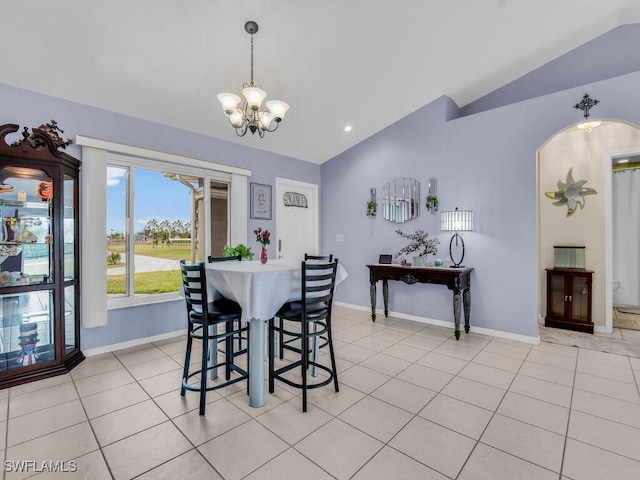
{"x":586,"y":104}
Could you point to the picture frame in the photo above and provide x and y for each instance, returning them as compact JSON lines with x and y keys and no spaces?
{"x":260,"y":201}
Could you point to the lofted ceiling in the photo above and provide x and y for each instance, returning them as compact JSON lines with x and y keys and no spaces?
{"x":364,"y":63}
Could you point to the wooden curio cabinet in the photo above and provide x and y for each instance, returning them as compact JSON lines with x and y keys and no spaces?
{"x":569,"y":299}
{"x":39,"y":259}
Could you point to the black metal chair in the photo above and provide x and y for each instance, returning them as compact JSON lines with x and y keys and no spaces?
{"x":286,"y":344}
{"x":312,"y":315}
{"x":202,"y":316}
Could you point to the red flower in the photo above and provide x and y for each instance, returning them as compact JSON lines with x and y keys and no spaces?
{"x":262,"y":236}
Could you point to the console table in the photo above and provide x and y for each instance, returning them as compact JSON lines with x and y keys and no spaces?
{"x":456,"y":279}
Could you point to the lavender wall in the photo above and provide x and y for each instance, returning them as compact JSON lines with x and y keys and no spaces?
{"x":30,"y":109}
{"x":485,"y":162}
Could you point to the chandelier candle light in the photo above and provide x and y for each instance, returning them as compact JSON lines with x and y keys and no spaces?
{"x":251,"y":116}
{"x":456,"y":221}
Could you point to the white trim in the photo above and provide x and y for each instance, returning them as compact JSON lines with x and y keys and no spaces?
{"x":132,"y":343}
{"x":443,"y":323}
{"x":158,"y":155}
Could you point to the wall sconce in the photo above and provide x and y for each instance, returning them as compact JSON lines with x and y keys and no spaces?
{"x":456,"y":221}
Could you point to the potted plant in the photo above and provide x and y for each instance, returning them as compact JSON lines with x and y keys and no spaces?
{"x":240,"y":249}
{"x":421,"y":244}
{"x":432,"y":203}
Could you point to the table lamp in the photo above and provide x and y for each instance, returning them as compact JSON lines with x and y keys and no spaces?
{"x":456,"y":221}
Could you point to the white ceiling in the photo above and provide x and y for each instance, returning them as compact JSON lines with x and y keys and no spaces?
{"x":365,"y":63}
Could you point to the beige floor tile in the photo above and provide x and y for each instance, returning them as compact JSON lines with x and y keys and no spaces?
{"x":164,"y":364}
{"x":3,"y":436}
{"x":163,"y":383}
{"x":404,"y":395}
{"x":391,"y":464}
{"x":393,"y":334}
{"x":289,"y":465}
{"x":444,"y":363}
{"x":94,"y":367}
{"x":383,"y":363}
{"x":31,"y":387}
{"x":220,"y":417}
{"x":62,"y":445}
{"x":605,"y":386}
{"x":41,"y":422}
{"x":291,"y":424}
{"x":173,"y":404}
{"x":437,"y":447}
{"x":377,"y":418}
{"x":599,"y":432}
{"x":110,"y":400}
{"x":557,"y":349}
{"x":141,"y":356}
{"x":455,"y":349}
{"x":242,"y":450}
{"x":630,"y":334}
{"x":127,"y":421}
{"x":362,"y":378}
{"x":542,"y":390}
{"x":621,"y":373}
{"x":606,"y":407}
{"x":603,"y":357}
{"x":349,"y":335}
{"x":404,"y":352}
{"x":90,"y":466}
{"x":103,"y":381}
{"x":422,"y":342}
{"x":517,"y":350}
{"x":353,"y":353}
{"x":456,"y":415}
{"x":188,"y":466}
{"x":487,"y":463}
{"x":470,"y":391}
{"x":497,"y":360}
{"x":586,"y":462}
{"x":339,"y":448}
{"x":475,"y":340}
{"x":425,"y":377}
{"x":536,"y":445}
{"x":271,"y":400}
{"x":535,"y":412}
{"x":487,"y":375}
{"x":551,"y":359}
{"x":145,"y":450}
{"x":373,"y":343}
{"x":46,"y":397}
{"x":549,"y":373}
{"x":335,"y":402}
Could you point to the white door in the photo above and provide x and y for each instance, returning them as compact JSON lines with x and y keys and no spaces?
{"x":296,"y":219}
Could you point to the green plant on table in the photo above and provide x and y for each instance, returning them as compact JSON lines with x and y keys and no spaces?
{"x":240,"y":249}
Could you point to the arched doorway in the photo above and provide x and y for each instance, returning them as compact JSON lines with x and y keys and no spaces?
{"x":589,"y":157}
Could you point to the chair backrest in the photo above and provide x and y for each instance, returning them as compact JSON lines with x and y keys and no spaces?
{"x":324,"y":258}
{"x":195,"y":286}
{"x":318,"y":282}
{"x":224,"y":259}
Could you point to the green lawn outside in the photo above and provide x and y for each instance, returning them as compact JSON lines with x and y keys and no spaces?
{"x":158,"y":251}
{"x":147,"y":283}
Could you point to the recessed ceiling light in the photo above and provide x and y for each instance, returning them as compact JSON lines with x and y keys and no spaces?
{"x":623,"y":160}
{"x":348,"y":128}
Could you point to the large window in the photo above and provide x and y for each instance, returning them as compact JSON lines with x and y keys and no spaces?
{"x":124,"y":180}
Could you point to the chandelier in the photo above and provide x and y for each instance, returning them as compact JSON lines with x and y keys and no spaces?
{"x":250,"y":116}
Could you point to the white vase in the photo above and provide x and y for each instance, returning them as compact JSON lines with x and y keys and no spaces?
{"x":419,"y":261}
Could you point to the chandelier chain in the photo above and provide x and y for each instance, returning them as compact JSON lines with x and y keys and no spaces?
{"x":252,"y":59}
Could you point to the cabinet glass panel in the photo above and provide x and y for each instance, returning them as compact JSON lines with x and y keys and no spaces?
{"x":556,"y":292}
{"x":69,"y":228}
{"x":25,"y":229}
{"x":580,"y":299}
{"x":69,"y":319}
{"x":26,"y":337}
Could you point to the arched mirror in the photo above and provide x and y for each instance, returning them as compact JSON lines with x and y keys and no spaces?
{"x":401,"y":200}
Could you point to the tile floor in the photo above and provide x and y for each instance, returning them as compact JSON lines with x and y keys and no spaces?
{"x":413,"y":404}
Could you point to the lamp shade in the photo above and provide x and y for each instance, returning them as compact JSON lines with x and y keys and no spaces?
{"x":277,"y":108}
{"x":456,"y":221}
{"x":254,"y":96}
{"x":229,"y":102}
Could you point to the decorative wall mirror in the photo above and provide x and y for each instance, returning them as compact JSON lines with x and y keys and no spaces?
{"x":401,"y":200}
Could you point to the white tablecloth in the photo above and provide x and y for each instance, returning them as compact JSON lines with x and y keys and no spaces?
{"x":260,"y":289}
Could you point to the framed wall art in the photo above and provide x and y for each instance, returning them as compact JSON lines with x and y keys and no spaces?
{"x":260,"y":201}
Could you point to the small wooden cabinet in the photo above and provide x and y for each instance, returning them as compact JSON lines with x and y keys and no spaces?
{"x":569,"y":299}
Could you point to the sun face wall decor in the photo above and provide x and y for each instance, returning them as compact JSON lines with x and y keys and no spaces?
{"x":570,"y":193}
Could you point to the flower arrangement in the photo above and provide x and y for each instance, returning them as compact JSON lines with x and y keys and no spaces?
{"x":432,"y":203}
{"x":420,"y":243}
{"x":53,"y":130}
{"x":262,"y":236}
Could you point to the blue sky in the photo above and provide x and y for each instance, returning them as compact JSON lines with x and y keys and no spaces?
{"x":155,"y":197}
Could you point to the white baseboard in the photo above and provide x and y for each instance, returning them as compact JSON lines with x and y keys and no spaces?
{"x":133,"y":343}
{"x":443,"y":323}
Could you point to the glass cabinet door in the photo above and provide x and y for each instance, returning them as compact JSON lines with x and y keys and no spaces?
{"x":579,"y":299}
{"x":556,"y":295}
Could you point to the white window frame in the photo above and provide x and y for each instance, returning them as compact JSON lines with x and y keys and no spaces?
{"x":96,"y":155}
